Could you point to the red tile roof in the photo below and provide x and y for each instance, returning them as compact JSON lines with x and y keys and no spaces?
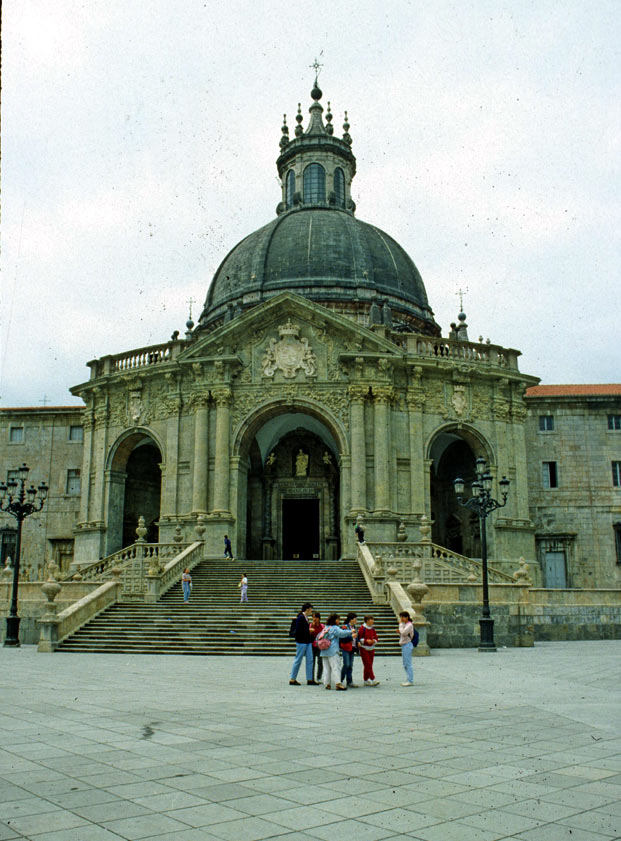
{"x":574,"y":390}
{"x":41,"y":408}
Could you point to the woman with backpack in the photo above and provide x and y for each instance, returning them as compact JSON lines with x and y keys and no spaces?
{"x":406,"y":639}
{"x":328,"y":644}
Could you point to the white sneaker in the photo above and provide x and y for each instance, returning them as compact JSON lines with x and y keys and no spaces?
{"x":407,"y":683}
{"x":374,"y":683}
{"x":367,"y":683}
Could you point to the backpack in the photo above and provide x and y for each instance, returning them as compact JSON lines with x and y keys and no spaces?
{"x":415,"y":638}
{"x":323,"y":641}
{"x":293,"y":626}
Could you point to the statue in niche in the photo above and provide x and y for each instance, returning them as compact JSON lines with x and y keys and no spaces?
{"x":271,"y":459}
{"x":301,"y":463}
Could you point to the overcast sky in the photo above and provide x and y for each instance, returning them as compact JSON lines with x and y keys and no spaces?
{"x":139,"y":146}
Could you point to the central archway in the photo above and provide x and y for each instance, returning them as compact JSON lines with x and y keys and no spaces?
{"x":289,"y":468}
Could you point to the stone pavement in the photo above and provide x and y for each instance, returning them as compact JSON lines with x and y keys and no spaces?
{"x":523,"y":744}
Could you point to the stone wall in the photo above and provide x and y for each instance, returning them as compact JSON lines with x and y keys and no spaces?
{"x":32,"y":602}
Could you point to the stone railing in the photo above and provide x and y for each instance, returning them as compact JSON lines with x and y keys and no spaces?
{"x":438,"y":564}
{"x":139,"y":550}
{"x":454,"y":349}
{"x":158,"y":584}
{"x":55,"y":627}
{"x":135,"y":359}
{"x":386,"y":589}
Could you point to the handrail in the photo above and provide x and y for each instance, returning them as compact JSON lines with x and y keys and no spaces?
{"x":96,"y":569}
{"x":157,"y":585}
{"x":440,"y":565}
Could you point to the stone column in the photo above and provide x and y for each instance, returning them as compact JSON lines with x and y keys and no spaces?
{"x":168,"y":505}
{"x":87,"y":462}
{"x":357,"y":395}
{"x":222,"y":396}
{"x":201,"y":456}
{"x":382,"y":397}
{"x":417,"y":470}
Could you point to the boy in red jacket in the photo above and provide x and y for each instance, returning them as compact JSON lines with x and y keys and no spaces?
{"x":367,"y":638}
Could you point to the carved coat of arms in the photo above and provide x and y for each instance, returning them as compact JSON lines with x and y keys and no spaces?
{"x":460,"y":399}
{"x":289,"y":354}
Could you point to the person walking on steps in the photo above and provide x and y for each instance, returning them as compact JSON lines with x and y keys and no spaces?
{"x":243,"y":586}
{"x":406,"y":640}
{"x":303,"y":646}
{"x":186,"y":583}
{"x":228,"y":552}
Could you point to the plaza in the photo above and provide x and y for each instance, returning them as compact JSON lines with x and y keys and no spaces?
{"x":524,"y":744}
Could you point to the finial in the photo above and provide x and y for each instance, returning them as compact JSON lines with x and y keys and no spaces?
{"x":462,"y":314}
{"x":329,"y":127}
{"x":299,"y":131}
{"x":189,"y":323}
{"x":317,"y":68}
{"x":346,"y":135}
{"x":284,"y":140}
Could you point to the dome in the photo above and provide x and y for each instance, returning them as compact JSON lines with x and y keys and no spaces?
{"x":325,"y":255}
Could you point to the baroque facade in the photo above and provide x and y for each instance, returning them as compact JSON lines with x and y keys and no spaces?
{"x":315,"y":388}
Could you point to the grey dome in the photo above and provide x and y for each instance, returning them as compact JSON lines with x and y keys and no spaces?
{"x":325,"y":255}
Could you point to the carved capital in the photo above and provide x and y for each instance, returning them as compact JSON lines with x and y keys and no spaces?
{"x":415,"y":398}
{"x":222,"y":396}
{"x":358,"y":393}
{"x":383,"y":394}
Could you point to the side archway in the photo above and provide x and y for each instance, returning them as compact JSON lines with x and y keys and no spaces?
{"x":133,"y":488}
{"x":451,"y":452}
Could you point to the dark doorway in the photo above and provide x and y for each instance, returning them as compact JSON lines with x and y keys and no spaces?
{"x":300,"y":529}
{"x":142,"y":493}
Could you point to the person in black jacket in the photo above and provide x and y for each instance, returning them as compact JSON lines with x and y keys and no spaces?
{"x":303,"y":646}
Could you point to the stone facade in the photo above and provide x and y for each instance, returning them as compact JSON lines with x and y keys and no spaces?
{"x":316,"y":389}
{"x":574,"y":435}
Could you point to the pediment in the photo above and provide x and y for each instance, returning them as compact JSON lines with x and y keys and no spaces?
{"x":262,"y":323}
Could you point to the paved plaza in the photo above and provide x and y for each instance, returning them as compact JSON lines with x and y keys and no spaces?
{"x":524,"y":744}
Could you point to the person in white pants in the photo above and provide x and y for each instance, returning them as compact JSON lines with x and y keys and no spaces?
{"x":330,"y":656}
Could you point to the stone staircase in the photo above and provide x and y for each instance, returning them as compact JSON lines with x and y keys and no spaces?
{"x":214,"y":622}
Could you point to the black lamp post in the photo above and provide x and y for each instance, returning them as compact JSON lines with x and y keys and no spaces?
{"x":483,"y":504}
{"x":20,"y":502}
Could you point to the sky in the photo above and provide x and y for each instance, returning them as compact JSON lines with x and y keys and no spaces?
{"x":139,"y":144}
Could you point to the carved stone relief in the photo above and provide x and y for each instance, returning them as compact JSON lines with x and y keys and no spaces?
{"x":289,"y":354}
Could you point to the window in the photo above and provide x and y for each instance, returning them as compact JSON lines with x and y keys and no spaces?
{"x":16,"y":434}
{"x":76,"y":433}
{"x":289,"y":189}
{"x":73,"y":482}
{"x":314,"y":184}
{"x":616,"y":474}
{"x":546,"y":423}
{"x":614,"y":422}
{"x":549,"y":476}
{"x":339,"y":187}
{"x":617,"y":528}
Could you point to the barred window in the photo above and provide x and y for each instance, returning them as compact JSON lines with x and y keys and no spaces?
{"x":16,"y":434}
{"x":314,"y":184}
{"x":339,"y":187}
{"x":614,"y":422}
{"x":289,"y":189}
{"x":76,"y":433}
{"x":616,"y":474}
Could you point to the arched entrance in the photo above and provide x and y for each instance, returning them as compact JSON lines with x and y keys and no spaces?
{"x":293,"y":489}
{"x":453,"y":453}
{"x":134,"y":490}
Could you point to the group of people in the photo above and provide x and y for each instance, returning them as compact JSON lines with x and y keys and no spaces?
{"x":328,"y":650}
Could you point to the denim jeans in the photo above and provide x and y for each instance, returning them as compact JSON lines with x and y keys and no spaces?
{"x":317,"y":661}
{"x":303,"y":649}
{"x":406,"y":655}
{"x":348,"y":665}
{"x":186,"y":590}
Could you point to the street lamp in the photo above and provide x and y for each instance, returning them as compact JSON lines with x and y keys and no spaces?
{"x":20,"y":502}
{"x":482,"y":503}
